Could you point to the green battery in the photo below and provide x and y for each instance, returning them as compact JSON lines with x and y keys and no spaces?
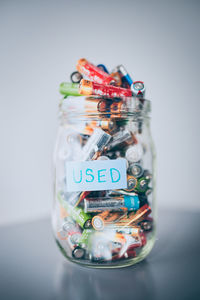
{"x":142,"y":185}
{"x":77,"y":213}
{"x":85,"y":238}
{"x":69,"y":89}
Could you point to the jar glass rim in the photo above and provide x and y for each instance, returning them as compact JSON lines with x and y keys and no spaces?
{"x":82,"y":106}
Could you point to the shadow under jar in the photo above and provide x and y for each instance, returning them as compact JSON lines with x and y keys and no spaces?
{"x":104,"y":209}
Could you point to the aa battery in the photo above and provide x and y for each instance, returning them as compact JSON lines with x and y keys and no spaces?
{"x":94,"y":73}
{"x":69,"y":89}
{"x":142,"y":185}
{"x":138,"y":88}
{"x":77,"y":251}
{"x":76,"y":77}
{"x":117,"y":78}
{"x":85,"y":238}
{"x":134,"y":153}
{"x":92,"y":88}
{"x":105,"y":218}
{"x":125,"y":203}
{"x":103,"y":68}
{"x":70,"y":226}
{"x":121,"y":138}
{"x":135,"y":218}
{"x":106,"y":124}
{"x":118,"y":108}
{"x":130,"y":253}
{"x":131,"y":183}
{"x":146,"y":224}
{"x":95,"y":144}
{"x":94,"y":105}
{"x":136,"y":170}
{"x":77,"y":213}
{"x":124,"y":74}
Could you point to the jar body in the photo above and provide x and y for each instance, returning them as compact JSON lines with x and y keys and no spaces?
{"x":104,"y":209}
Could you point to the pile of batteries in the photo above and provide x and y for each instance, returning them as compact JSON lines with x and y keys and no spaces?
{"x":107,"y":225}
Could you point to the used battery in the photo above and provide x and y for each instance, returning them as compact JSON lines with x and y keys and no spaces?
{"x":134,"y":153}
{"x":135,"y":218}
{"x":94,"y":73}
{"x":121,"y":138}
{"x":136,"y":170}
{"x":131,"y":183}
{"x":92,"y":88}
{"x":69,"y":89}
{"x":125,"y":203}
{"x":138,"y":88}
{"x":76,"y":77}
{"x":77,"y":251}
{"x":124,"y":74}
{"x":103,"y":68}
{"x":77,"y":213}
{"x":105,"y":218}
{"x":95,"y":144}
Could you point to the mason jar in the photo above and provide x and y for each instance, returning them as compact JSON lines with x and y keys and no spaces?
{"x":104,"y":212}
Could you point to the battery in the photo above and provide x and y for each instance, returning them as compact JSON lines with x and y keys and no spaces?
{"x":92,"y":88}
{"x":69,"y":89}
{"x":122,"y":137}
{"x":94,"y":73}
{"x":106,"y":124}
{"x":146,"y":224}
{"x":147,"y":175}
{"x":118,"y":108}
{"x":124,"y":203}
{"x":130,"y":253}
{"x":77,"y":213}
{"x":142,"y":185}
{"x":124,"y":74}
{"x":103,"y":157}
{"x":77,"y":251}
{"x":94,"y":105}
{"x":85,"y":238}
{"x":117,"y":78}
{"x":95,"y":144}
{"x":135,"y":218}
{"x":76,"y":77}
{"x":131,"y":183}
{"x":103,"y":68}
{"x":105,"y":218}
{"x":138,"y":88}
{"x":70,"y":226}
{"x":134,"y":153}
{"x":136,"y":170}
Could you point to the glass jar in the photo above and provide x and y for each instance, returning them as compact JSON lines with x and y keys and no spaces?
{"x":104,"y":209}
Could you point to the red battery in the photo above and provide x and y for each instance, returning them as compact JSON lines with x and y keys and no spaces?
{"x":94,"y":73}
{"x":87,"y":87}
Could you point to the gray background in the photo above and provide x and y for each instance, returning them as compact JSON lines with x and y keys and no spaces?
{"x":40,"y":42}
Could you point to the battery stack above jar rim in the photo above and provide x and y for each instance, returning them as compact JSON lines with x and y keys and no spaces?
{"x":113,"y":93}
{"x":107,"y":225}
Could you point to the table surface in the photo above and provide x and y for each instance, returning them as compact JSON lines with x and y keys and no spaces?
{"x":32,"y":267}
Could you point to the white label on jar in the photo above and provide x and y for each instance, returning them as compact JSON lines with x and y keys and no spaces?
{"x":96,"y":175}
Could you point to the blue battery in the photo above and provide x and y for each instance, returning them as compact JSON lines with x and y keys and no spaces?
{"x":125,"y":74}
{"x":103,"y":68}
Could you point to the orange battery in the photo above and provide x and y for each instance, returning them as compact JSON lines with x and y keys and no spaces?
{"x":101,"y":220}
{"x":94,"y":73}
{"x":93,"y":105}
{"x":131,"y":183}
{"x":117,"y":78}
{"x":135,"y":218}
